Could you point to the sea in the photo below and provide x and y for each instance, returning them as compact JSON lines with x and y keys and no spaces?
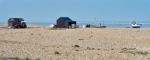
{"x":109,"y":25}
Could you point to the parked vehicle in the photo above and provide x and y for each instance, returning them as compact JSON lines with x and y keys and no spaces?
{"x":16,"y":23}
{"x":65,"y":22}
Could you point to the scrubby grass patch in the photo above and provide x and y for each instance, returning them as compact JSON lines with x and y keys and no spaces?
{"x":17,"y":58}
{"x":80,"y":39}
{"x":133,"y":51}
{"x":57,"y":53}
{"x":76,"y":46}
{"x":89,"y":48}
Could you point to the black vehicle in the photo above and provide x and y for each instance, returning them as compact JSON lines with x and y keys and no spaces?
{"x":65,"y":22}
{"x":16,"y":23}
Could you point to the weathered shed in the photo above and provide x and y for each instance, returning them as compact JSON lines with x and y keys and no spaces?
{"x":65,"y":22}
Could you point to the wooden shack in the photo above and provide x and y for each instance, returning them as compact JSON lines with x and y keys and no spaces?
{"x":65,"y":22}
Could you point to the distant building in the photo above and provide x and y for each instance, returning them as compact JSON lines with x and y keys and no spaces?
{"x":65,"y":22}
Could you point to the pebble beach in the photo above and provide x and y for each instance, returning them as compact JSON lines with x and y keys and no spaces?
{"x":75,"y":44}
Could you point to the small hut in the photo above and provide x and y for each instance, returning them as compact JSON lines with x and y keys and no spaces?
{"x":65,"y":22}
{"x":16,"y":23}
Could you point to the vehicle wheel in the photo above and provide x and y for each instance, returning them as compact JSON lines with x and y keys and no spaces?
{"x":24,"y":25}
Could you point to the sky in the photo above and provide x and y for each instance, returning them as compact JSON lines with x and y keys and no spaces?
{"x":48,"y":11}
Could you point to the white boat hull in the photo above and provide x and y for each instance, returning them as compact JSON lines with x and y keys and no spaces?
{"x":136,"y":26}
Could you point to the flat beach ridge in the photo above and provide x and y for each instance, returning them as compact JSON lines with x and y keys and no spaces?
{"x":76,"y":44}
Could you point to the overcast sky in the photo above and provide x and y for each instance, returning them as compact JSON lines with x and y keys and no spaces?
{"x":79,"y":10}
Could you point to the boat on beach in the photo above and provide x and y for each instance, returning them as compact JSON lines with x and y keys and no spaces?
{"x":135,"y":25}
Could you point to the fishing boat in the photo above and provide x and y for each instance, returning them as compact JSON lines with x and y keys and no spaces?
{"x":135,"y":25}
